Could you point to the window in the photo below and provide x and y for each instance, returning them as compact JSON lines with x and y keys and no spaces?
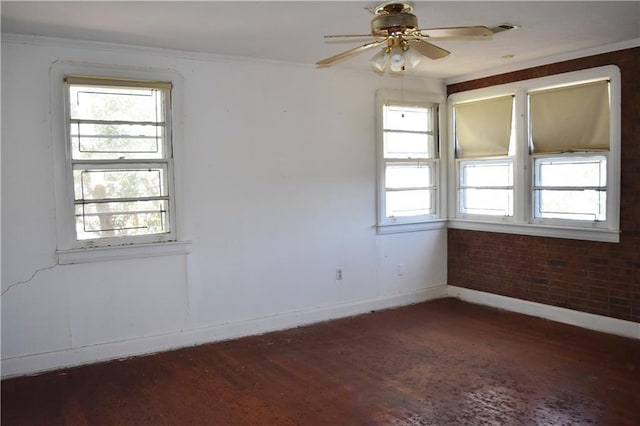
{"x":112,"y":130}
{"x":119,"y":158}
{"x":570,"y":142}
{"x":485,"y":187}
{"x":484,"y":141}
{"x":571,"y":187}
{"x":539,"y":157}
{"x":409,"y":155}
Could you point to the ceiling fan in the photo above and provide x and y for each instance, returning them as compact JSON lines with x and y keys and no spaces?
{"x":395,"y":29}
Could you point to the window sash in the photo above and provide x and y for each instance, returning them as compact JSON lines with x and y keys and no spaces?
{"x":568,"y":200}
{"x":408,"y":168}
{"x":401,"y":116}
{"x":394,"y":193}
{"x":480,"y":201}
{"x":142,"y":212}
{"x":81,"y":189}
{"x":409,"y":202}
{"x":560,"y":204}
{"x":484,"y":163}
{"x":417,"y":144}
{"x":135,"y":141}
{"x":485,"y":198}
{"x":98,"y":220}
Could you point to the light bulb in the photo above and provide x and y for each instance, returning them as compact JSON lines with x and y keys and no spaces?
{"x":379,"y":60}
{"x":396,"y":63}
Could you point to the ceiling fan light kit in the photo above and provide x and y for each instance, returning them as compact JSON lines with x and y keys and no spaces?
{"x":397,"y":55}
{"x":395,"y":29}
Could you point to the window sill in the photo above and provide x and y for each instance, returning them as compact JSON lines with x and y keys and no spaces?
{"x":412,"y":227}
{"x":587,"y":234}
{"x":133,"y":251}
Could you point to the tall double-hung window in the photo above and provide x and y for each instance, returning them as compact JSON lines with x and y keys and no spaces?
{"x":539,"y":157}
{"x":484,"y":164}
{"x":569,"y":133}
{"x":119,"y":160}
{"x":408,"y":160}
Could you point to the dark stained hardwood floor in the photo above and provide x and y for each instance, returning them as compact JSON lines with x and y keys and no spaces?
{"x":443,"y":362}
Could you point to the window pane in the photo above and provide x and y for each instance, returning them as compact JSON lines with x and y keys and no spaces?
{"x":119,"y":183}
{"x":118,"y":219}
{"x":116,"y":141}
{"x":555,"y":196}
{"x":408,"y":145}
{"x":409,"y":176}
{"x":572,"y":172}
{"x":577,"y":205}
{"x":410,"y":203}
{"x":115,"y":103}
{"x":398,"y":117}
{"x":486,"y":174}
{"x":494,"y":202}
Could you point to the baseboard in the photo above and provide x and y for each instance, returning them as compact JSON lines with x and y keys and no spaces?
{"x":39,"y":363}
{"x":554,"y":313}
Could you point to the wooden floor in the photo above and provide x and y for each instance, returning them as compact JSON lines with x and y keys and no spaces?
{"x":443,"y":362}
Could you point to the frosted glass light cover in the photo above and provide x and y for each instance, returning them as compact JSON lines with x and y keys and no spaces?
{"x":379,"y":60}
{"x":412,"y":58}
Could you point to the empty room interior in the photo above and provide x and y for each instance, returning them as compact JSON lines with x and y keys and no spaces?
{"x":320,"y":213}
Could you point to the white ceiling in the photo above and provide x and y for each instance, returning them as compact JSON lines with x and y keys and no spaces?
{"x":292,"y":31}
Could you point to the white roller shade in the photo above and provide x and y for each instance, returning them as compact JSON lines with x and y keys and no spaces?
{"x":483,"y":128}
{"x":573,"y":118}
{"x":99,"y":81}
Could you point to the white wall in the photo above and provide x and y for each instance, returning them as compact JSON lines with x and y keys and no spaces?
{"x":276,"y":177}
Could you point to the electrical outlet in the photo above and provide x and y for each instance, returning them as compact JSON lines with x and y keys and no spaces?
{"x":338,"y":274}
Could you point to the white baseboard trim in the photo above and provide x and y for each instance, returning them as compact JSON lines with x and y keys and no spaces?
{"x":554,"y":313}
{"x":39,"y":363}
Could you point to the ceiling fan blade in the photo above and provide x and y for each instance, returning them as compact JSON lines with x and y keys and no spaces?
{"x":427,"y":49}
{"x":457,"y":32}
{"x":347,"y":35}
{"x":350,"y":52}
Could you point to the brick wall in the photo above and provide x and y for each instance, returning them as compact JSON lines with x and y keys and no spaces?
{"x":600,"y":278}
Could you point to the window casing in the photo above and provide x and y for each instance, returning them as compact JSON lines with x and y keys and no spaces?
{"x":408,"y":161}
{"x":565,"y":180}
{"x":113,"y":156}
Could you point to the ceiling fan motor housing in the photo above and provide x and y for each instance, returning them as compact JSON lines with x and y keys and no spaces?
{"x":384,"y":25}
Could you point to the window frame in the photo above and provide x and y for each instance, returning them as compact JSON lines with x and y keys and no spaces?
{"x":524,"y":221}
{"x":563,"y":158}
{"x":508,"y":160}
{"x":436,"y":220}
{"x":165,"y":162}
{"x":71,"y":249}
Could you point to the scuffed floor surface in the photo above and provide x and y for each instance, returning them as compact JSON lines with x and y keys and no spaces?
{"x":443,"y":362}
